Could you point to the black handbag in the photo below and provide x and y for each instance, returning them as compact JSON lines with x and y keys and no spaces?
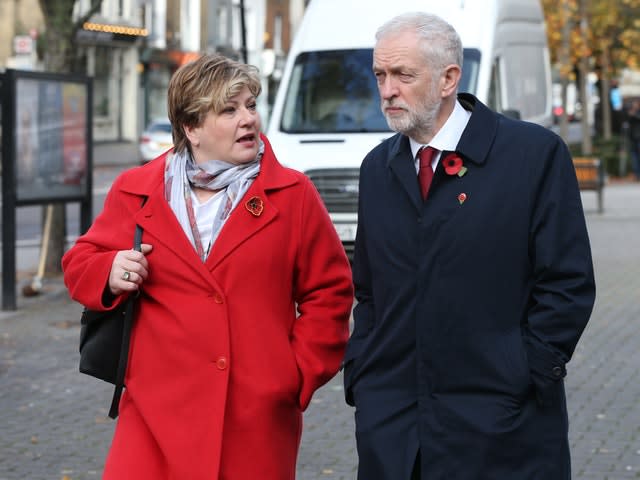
{"x":104,"y":341}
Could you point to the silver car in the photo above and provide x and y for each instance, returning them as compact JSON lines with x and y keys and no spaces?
{"x":155,"y":140}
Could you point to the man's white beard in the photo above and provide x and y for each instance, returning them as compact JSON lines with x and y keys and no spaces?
{"x":412,"y":122}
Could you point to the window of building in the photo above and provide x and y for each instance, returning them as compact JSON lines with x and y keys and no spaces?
{"x":101,"y":81}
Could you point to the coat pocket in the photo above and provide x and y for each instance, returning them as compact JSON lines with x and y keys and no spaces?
{"x":547,"y":372}
{"x":353,"y":351}
{"x":363,"y":324}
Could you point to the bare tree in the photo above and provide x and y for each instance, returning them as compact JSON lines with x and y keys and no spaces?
{"x":59,"y":54}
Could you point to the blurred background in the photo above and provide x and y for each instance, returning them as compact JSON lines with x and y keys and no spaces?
{"x":131,"y":47}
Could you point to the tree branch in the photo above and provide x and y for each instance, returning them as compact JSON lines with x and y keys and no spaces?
{"x":93,"y":9}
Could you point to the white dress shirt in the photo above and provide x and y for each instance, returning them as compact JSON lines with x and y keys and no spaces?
{"x":447,"y":137}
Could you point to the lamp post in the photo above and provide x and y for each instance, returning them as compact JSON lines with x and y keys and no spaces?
{"x":243,"y":32}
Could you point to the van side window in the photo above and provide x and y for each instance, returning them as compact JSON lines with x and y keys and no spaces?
{"x":470,"y":71}
{"x":525,"y":82}
{"x":494,"y":96}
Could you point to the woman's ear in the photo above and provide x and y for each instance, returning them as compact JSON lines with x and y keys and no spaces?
{"x":192,"y":134}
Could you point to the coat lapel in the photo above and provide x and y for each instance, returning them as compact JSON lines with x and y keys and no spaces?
{"x":402,"y":165}
{"x":158,"y":220}
{"x":477,"y":138}
{"x":245,"y":221}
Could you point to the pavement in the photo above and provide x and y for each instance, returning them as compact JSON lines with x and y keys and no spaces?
{"x":115,"y":153}
{"x":54,"y":424}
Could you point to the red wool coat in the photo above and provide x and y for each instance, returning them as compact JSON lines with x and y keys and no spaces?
{"x":222,"y":363}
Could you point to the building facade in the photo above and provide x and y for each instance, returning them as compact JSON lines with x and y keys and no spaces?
{"x":132,"y":47}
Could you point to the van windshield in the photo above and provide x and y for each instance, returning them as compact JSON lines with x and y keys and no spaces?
{"x":335,"y":91}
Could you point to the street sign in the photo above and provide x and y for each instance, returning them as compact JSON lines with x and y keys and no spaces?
{"x":23,"y":45}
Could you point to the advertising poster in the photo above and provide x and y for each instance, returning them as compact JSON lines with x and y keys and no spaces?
{"x":50,"y":133}
{"x":27,"y":151}
{"x":74,"y":148}
{"x":51,"y":138}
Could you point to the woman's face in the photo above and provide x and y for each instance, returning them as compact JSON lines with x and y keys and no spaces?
{"x":231,"y":135}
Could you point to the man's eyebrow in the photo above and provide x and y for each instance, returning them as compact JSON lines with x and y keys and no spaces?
{"x":393,"y":68}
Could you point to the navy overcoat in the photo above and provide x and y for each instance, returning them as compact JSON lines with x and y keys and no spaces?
{"x":469,"y":307}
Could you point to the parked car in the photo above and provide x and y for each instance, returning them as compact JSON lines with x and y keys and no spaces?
{"x":156,"y":139}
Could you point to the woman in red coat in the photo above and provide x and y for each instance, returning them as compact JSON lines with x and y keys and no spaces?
{"x":245,"y":291}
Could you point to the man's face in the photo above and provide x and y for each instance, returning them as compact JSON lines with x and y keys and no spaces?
{"x":409,"y":92}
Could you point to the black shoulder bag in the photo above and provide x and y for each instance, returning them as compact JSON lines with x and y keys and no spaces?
{"x":104,"y":341}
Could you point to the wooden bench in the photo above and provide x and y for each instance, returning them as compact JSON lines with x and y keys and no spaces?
{"x":590,"y":173}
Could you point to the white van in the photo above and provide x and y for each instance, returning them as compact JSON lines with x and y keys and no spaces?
{"x":326,"y":115}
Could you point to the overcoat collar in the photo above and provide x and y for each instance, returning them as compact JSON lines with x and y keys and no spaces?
{"x":157,"y":218}
{"x":474,"y":146}
{"x":477,"y":138}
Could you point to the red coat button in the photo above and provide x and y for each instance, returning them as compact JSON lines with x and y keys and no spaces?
{"x":221,"y":363}
{"x":217,"y":298}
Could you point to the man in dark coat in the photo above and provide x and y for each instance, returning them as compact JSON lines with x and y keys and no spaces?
{"x":633,"y":119}
{"x":470,"y":302}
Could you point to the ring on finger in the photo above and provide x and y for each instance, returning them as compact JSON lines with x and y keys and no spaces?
{"x":126,"y":276}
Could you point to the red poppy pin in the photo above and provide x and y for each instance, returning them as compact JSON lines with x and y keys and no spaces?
{"x":255,"y":205}
{"x":462,"y":198}
{"x":453,"y":165}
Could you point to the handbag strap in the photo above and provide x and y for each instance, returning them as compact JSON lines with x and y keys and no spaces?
{"x":126,"y":335}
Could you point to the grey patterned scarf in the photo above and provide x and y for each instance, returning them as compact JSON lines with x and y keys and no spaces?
{"x":181,"y":172}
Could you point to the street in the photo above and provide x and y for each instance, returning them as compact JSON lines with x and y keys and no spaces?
{"x":54,"y":424}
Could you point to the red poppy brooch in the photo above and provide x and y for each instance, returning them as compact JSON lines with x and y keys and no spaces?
{"x":255,"y":205}
{"x":453,"y":165}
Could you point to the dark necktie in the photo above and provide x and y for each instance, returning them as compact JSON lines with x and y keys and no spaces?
{"x":425,"y":174}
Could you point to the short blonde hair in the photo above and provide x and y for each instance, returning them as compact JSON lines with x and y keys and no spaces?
{"x":202,"y":86}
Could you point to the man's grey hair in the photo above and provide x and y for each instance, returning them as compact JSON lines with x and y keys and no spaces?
{"x":440,"y":42}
